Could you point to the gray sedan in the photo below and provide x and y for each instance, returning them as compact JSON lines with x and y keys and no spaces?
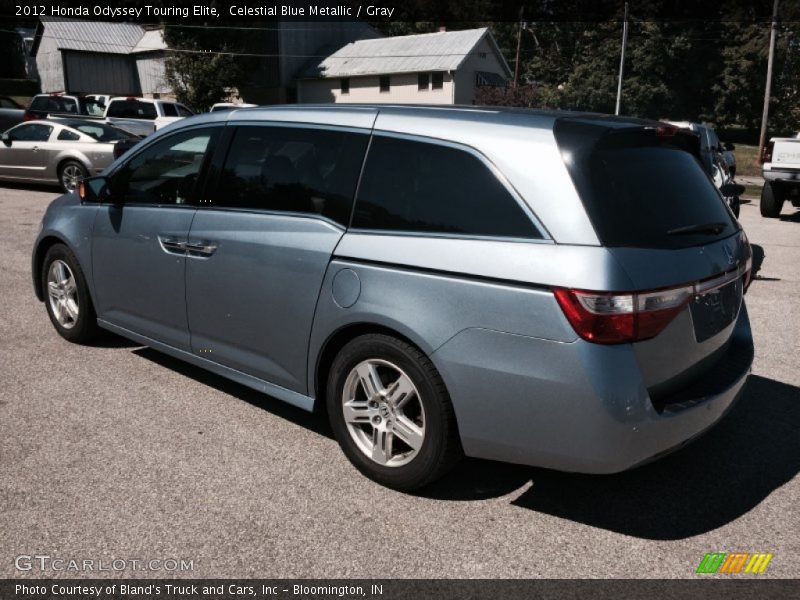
{"x":61,"y":151}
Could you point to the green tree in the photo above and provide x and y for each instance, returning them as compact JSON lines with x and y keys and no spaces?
{"x":198,"y":70}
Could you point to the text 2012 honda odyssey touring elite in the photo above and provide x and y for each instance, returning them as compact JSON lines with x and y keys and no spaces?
{"x":552,"y":289}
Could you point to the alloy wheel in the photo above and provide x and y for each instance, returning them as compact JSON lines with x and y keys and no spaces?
{"x":71,"y":176}
{"x":63,"y":294}
{"x":383,"y":412}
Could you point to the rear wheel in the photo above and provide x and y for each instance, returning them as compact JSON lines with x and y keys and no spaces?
{"x":67,"y":296}
{"x":390,"y":412}
{"x":771,"y":200}
{"x":70,"y":174}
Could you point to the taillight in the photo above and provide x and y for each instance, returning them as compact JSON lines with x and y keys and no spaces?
{"x":605,"y":318}
{"x":766,"y":155}
{"x":26,"y":116}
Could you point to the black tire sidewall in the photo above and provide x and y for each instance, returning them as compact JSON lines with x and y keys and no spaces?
{"x":86,"y":326}
{"x":771,"y":200}
{"x":429,"y":462}
{"x":61,"y":173}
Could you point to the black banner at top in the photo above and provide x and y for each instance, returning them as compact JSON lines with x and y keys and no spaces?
{"x":250,"y":12}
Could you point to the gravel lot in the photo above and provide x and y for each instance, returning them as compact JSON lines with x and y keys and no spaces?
{"x":121,"y":452}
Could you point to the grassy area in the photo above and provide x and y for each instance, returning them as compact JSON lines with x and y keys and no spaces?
{"x":747,"y":160}
{"x":752,"y":191}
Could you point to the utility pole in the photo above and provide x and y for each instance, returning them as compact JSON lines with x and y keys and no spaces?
{"x":768,"y":91}
{"x":519,"y":41}
{"x":622,"y":59}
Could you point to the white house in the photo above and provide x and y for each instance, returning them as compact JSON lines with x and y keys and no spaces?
{"x":432,"y":68}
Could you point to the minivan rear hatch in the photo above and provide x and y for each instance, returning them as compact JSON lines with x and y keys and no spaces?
{"x":665,"y":223}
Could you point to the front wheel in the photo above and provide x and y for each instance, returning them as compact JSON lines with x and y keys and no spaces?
{"x":67,"y":296}
{"x":771,"y":200}
{"x":390,"y":412}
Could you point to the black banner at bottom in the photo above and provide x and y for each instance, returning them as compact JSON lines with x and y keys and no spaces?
{"x":389,"y":589}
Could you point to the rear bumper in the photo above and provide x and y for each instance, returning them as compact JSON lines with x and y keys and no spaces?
{"x":782,"y":175}
{"x":578,"y":407}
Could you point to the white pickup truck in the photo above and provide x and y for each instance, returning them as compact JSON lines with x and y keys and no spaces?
{"x":781,"y":171}
{"x":143,"y":116}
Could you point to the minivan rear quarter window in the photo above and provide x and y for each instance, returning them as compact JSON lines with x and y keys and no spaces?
{"x":425,"y":187}
{"x":641,"y":189}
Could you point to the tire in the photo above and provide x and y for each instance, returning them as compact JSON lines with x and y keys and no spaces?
{"x":416,"y":432}
{"x":68,"y":303}
{"x":735,"y":204}
{"x":70,"y":174}
{"x":771,"y":200}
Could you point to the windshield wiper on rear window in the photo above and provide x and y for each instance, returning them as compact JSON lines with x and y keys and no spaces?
{"x":702,"y":228}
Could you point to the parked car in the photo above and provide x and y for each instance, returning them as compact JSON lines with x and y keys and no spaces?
{"x":60,"y":151}
{"x":781,"y":171}
{"x":11,"y":112}
{"x":554,"y":289}
{"x":710,"y":145}
{"x":222,"y":106}
{"x":142,"y":115}
{"x":718,"y":160}
{"x":43,"y":106}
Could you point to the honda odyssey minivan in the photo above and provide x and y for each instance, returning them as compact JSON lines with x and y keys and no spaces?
{"x":547,"y":288}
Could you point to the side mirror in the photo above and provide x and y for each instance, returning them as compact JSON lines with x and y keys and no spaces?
{"x":6,"y":138}
{"x":94,"y":190}
{"x":729,"y":147}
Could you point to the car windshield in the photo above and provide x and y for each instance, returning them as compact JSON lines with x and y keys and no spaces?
{"x":103,"y":133}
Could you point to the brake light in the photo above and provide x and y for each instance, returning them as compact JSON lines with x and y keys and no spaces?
{"x":766,"y":154}
{"x":26,"y":116}
{"x":605,"y":318}
{"x":666,"y":130}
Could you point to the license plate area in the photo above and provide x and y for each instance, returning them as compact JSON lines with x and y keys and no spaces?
{"x":715,"y":309}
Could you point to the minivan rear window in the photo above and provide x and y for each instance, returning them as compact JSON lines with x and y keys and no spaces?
{"x":643,"y":190}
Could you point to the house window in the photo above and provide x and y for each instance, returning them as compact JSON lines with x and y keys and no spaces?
{"x":344,"y":85}
{"x":437,"y":81}
{"x":385,"y":83}
{"x":423,"y":80}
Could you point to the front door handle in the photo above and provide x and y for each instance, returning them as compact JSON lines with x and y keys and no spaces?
{"x":172,"y":245}
{"x":202,"y":248}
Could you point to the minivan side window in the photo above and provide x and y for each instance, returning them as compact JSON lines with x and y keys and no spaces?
{"x":166,"y":172}
{"x":292,"y":169}
{"x":425,"y":187}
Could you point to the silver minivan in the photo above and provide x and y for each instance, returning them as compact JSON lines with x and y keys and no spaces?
{"x":546,"y":288}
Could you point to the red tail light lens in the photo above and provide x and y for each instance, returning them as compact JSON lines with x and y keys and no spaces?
{"x":26,"y":116}
{"x":605,"y":318}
